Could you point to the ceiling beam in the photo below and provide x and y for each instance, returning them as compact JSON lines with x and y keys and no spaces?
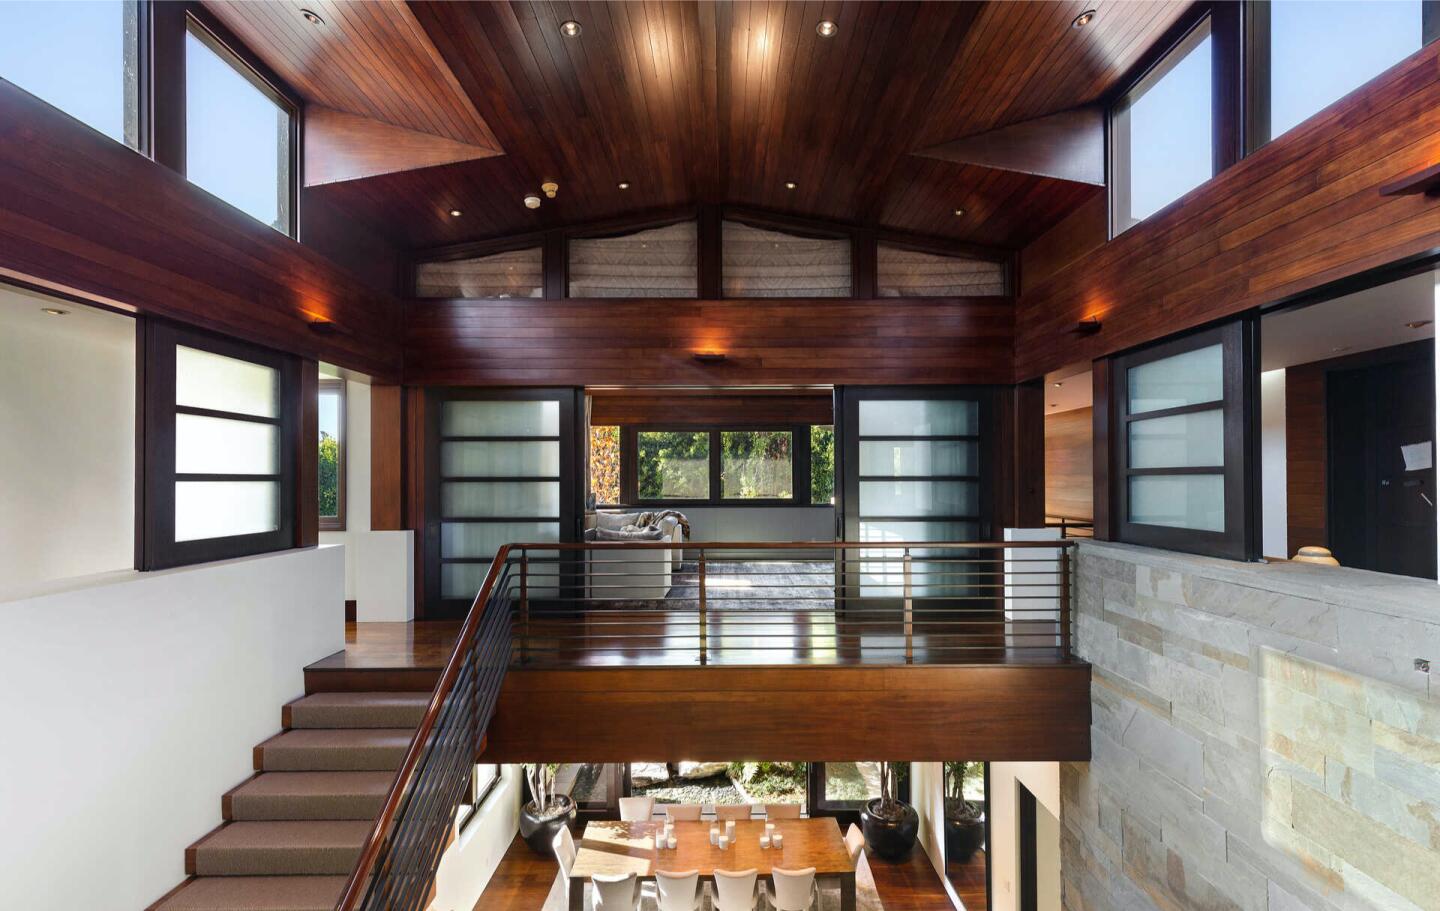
{"x":343,"y":146}
{"x":1068,"y":145}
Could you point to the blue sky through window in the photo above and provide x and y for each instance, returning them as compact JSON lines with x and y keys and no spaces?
{"x":1171,"y":147}
{"x":72,"y":55}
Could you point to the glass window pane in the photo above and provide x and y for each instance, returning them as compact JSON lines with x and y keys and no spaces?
{"x":822,"y":464}
{"x":762,"y":263}
{"x":462,"y":580}
{"x":919,"y":418}
{"x":500,"y":419}
{"x":329,"y":458}
{"x":912,"y":273}
{"x":237,"y":139}
{"x":916,"y":531}
{"x":500,"y":499}
{"x":919,"y":498}
{"x":1166,"y":133}
{"x":854,"y":783}
{"x":1179,"y":501}
{"x":919,"y":458}
{"x":605,"y":465}
{"x":219,"y":383}
{"x":1322,"y":51}
{"x":500,"y":459}
{"x":206,"y":445}
{"x":756,"y":465}
{"x":674,"y":464}
{"x":484,"y":539}
{"x":219,"y":509}
{"x":514,"y":273}
{"x":1191,"y":378}
{"x":80,"y":57}
{"x":1194,"y":440}
{"x":659,"y":262}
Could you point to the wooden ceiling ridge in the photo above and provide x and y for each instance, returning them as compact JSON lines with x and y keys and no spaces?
{"x":1066,"y":145}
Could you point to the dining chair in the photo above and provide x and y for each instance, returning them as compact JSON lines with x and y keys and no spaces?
{"x":737,"y":811}
{"x":782,"y":811}
{"x":678,"y":891}
{"x":736,"y":890}
{"x":688,"y":812}
{"x":854,"y":842}
{"x":564,"y":845}
{"x":794,"y":890}
{"x":636,"y":809}
{"x":616,"y":892}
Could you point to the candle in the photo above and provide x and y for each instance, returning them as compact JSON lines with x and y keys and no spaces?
{"x":764,"y":840}
{"x":770,"y":828}
{"x":714,"y":835}
{"x":724,"y":842}
{"x":670,"y":842}
{"x":777,"y":839}
{"x":730,"y":827}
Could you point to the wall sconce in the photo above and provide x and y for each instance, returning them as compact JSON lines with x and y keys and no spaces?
{"x":1088,"y":326}
{"x":709,"y":357}
{"x":323,"y":327}
{"x":1426,"y":180}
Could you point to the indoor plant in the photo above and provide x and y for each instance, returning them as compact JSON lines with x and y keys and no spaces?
{"x":890,"y":825}
{"x":964,"y":819}
{"x":546,"y":812}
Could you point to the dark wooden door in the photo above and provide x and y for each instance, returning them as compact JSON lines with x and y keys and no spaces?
{"x":1380,"y":423}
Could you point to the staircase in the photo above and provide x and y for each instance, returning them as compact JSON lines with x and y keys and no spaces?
{"x":293,"y":832}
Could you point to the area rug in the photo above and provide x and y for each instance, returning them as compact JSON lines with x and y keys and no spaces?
{"x":767,"y":585}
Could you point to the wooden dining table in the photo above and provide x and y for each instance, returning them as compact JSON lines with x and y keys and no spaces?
{"x":610,"y":847}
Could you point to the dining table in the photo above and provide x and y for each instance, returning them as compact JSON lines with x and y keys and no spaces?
{"x":611,"y":847}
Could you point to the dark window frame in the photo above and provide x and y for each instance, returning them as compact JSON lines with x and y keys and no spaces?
{"x":846,"y":812}
{"x":793,"y":227}
{"x":336,"y":522}
{"x":619,"y":229}
{"x":479,"y":799}
{"x":800,"y":469}
{"x":155,"y":544}
{"x":1239,"y":403}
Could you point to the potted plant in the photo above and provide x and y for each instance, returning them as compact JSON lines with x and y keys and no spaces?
{"x":547,"y":812}
{"x":890,"y":825}
{"x":964,"y":819}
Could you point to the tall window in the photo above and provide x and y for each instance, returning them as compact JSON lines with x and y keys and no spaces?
{"x":605,"y":465}
{"x":822,"y":463}
{"x":673,"y":464}
{"x":221,"y":420}
{"x":237,"y":132}
{"x":332,"y":454}
{"x":1309,"y":54}
{"x":82,"y":57}
{"x":1162,"y":132}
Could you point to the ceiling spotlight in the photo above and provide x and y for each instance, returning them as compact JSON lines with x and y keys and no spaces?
{"x":623,"y":185}
{"x":1418,"y":324}
{"x":570,"y":28}
{"x":312,"y":17}
{"x":1339,"y":349}
{"x":455,"y":213}
{"x":550,"y":188}
{"x":790,"y":185}
{"x":826,"y":29}
{"x":53,"y":311}
{"x":1057,"y":385}
{"x":1083,"y":19}
{"x":532,"y":201}
{"x":959,"y":212}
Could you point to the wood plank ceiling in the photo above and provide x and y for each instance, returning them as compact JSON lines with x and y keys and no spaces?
{"x":716,"y":102}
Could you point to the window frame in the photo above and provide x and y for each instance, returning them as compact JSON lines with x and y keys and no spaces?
{"x":156,"y":477}
{"x":800,"y":472}
{"x":847,"y":811}
{"x":337,"y":521}
{"x":609,"y":232}
{"x":794,"y":227}
{"x":478,"y":800}
{"x":1239,"y":405}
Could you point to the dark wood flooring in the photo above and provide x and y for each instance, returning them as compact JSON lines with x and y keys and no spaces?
{"x":969,"y":881}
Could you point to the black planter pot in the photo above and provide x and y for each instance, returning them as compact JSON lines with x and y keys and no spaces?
{"x":963,"y":837}
{"x":539,"y":832}
{"x":890,"y":839}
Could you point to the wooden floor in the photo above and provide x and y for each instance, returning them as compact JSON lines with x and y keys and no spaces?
{"x":970,"y":882}
{"x":524,"y":879}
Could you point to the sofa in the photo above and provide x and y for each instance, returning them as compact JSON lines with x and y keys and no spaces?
{"x":670,"y":528}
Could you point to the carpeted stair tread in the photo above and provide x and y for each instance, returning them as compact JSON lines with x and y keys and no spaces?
{"x":357,"y":710}
{"x":285,"y":848}
{"x":256,"y":893}
{"x":309,"y":795}
{"x":330,"y":750}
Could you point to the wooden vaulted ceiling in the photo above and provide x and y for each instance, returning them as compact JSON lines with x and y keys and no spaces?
{"x":695,"y":102}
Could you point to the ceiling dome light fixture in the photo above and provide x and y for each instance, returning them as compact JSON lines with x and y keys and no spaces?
{"x":312,"y":17}
{"x":959,"y":212}
{"x":826,"y":29}
{"x":790,"y":185}
{"x":532,"y":201}
{"x":549,"y":188}
{"x":570,"y":28}
{"x":1083,"y":19}
{"x":623,"y":185}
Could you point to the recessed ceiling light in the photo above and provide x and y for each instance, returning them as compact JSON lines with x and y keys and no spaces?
{"x":959,"y":212}
{"x":1083,"y":19}
{"x":312,"y":17}
{"x":623,"y":185}
{"x":1058,"y":385}
{"x":1340,"y":348}
{"x":826,"y":29}
{"x":570,"y":28}
{"x":1418,"y":324}
{"x":532,"y":201}
{"x":455,"y":213}
{"x":53,"y":311}
{"x":790,"y":185}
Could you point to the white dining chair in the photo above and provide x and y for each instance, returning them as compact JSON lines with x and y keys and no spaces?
{"x":782,"y":811}
{"x":735,"y":890}
{"x":687,"y":812}
{"x":678,"y":891}
{"x":616,"y":892}
{"x":794,"y":890}
{"x":564,"y":845}
{"x":636,"y":809}
{"x":854,"y":843}
{"x":737,"y":811}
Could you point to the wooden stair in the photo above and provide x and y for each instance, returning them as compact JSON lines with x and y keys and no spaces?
{"x":293,"y":832}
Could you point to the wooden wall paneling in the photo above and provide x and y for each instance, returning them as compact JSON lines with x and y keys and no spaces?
{"x":344,"y":146}
{"x":709,"y":265}
{"x":369,"y":256}
{"x":1069,"y":464}
{"x":415,"y":465}
{"x":307,"y":471}
{"x":1305,"y":457}
{"x":864,"y":264}
{"x":766,"y":342}
{"x":710,"y":409}
{"x":1102,"y":465}
{"x":387,"y":487}
{"x":1069,"y":145}
{"x":1074,"y":236}
{"x":555,"y":260}
{"x":1294,"y":216}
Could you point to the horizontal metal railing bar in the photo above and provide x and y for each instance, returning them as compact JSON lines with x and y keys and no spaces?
{"x":815,"y":647}
{"x":791,"y":545}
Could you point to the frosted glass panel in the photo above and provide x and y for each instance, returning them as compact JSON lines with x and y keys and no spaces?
{"x":1185,"y":379}
{"x":917,"y":531}
{"x":206,"y":380}
{"x":219,"y":446}
{"x":500,"y":459}
{"x":1194,"y":440}
{"x":219,"y":509}
{"x":501,"y":419}
{"x":936,"y":418}
{"x":500,"y":499}
{"x":919,"y":498}
{"x":462,"y":580}
{"x":1179,"y":501}
{"x":484,"y":539}
{"x":919,"y":458}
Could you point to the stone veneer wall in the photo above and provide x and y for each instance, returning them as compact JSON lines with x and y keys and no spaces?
{"x":1261,"y":737}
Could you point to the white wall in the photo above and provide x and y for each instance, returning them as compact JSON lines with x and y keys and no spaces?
{"x":760,"y":523}
{"x":472,"y":858}
{"x":67,"y":440}
{"x":130,"y":702}
{"x":927,"y":795}
{"x":1273,"y":497}
{"x":1043,"y":780}
{"x":357,"y":479}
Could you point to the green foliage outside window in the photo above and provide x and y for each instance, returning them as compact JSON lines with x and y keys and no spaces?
{"x":822,"y":464}
{"x":756,"y":465}
{"x":674,"y":464}
{"x":329,"y":475}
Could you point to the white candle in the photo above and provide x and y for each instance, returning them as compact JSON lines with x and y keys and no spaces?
{"x":714,"y":835}
{"x":670,"y":842}
{"x":770,"y":828}
{"x":730,"y":827}
{"x":764,"y":841}
{"x":724,"y":842}
{"x":777,"y":839}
